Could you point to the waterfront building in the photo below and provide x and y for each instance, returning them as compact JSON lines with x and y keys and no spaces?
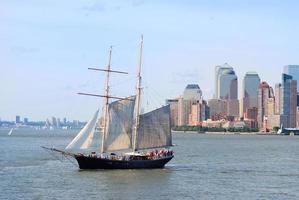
{"x":226,"y":88}
{"x":251,"y":113}
{"x":26,"y":120}
{"x":191,"y":96}
{"x":218,"y":109}
{"x":292,"y":70}
{"x":218,"y":71}
{"x":250,"y":117}
{"x":64,"y":121}
{"x":249,"y":93}
{"x":174,"y":104}
{"x":228,"y":85}
{"x":272,"y":119}
{"x":199,"y":112}
{"x":278,"y":97}
{"x":288,"y":101}
{"x":191,"y":109}
{"x":194,"y":116}
{"x":192,"y":92}
{"x":271,"y":106}
{"x":54,"y":122}
{"x":233,"y":108}
{"x":265,"y":92}
{"x":18,"y":119}
{"x":213,"y":123}
{"x":59,"y":124}
{"x":184,"y":109}
{"x":234,"y":124}
{"x":297,"y":117}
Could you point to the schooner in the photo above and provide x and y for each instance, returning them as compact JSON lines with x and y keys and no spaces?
{"x":129,"y":139}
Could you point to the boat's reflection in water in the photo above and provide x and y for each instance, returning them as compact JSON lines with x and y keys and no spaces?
{"x":131,"y":183}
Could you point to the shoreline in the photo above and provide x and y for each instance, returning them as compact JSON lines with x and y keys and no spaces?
{"x":226,"y":133}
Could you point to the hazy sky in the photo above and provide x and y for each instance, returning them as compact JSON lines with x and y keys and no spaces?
{"x":46,"y":47}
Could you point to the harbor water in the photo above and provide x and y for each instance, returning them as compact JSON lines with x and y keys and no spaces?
{"x":204,"y":167}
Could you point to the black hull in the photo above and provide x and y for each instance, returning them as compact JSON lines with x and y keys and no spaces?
{"x":86,"y":162}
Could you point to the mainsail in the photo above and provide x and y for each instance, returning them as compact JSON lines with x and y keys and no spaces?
{"x":154,"y":129}
{"x":119,"y":125}
{"x":85,"y":137}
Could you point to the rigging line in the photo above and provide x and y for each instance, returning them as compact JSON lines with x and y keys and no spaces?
{"x":156,"y":94}
{"x":155,"y":103}
{"x":158,"y":100}
{"x":53,"y":155}
{"x":155,"y":91}
{"x":158,"y":97}
{"x":71,"y":161}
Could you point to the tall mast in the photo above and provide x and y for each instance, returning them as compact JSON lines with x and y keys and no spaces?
{"x":138,"y":98}
{"x":106,"y":101}
{"x":106,"y":97}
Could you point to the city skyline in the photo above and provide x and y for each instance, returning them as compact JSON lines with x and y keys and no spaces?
{"x":25,"y":120}
{"x":45,"y":57}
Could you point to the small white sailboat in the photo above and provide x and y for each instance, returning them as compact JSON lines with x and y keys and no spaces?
{"x":10,"y":132}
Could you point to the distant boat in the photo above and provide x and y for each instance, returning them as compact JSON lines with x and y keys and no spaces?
{"x":10,"y":132}
{"x":129,"y":139}
{"x":288,"y":131}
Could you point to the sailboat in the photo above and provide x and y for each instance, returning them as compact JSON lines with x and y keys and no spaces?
{"x":10,"y":132}
{"x":129,"y":139}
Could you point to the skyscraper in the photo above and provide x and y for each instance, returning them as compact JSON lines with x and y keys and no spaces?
{"x":228,"y":89}
{"x":228,"y":85}
{"x":249,"y":94}
{"x":192,"y":92}
{"x":288,"y":101}
{"x":184,"y":109}
{"x":218,"y":71}
{"x":278,"y":98}
{"x":265,"y":93}
{"x":191,"y":108}
{"x":198,"y":113}
{"x":292,"y":70}
{"x":173,"y":111}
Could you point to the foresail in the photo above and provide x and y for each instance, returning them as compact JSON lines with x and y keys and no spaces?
{"x":119,"y":126}
{"x":85,"y":137}
{"x":154,"y":129}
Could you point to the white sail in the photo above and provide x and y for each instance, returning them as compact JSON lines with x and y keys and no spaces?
{"x":154,"y":129}
{"x":85,"y":137}
{"x":10,"y":132}
{"x":119,"y":125}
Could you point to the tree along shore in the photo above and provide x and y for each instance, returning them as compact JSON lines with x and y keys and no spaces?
{"x":213,"y":129}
